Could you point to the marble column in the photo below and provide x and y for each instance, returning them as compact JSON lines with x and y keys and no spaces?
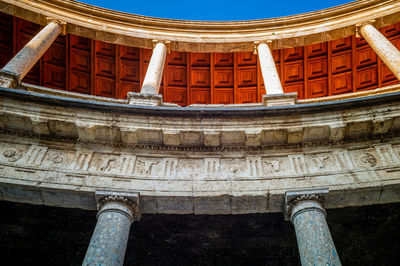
{"x":117,"y":211}
{"x":268,"y":69}
{"x":314,"y":239}
{"x":25,"y":59}
{"x":386,"y":51}
{"x":152,"y":79}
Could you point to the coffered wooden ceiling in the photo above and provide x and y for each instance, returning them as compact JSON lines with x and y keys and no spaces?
{"x":82,"y":65}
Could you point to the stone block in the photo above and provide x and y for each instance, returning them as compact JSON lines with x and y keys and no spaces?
{"x":294,"y":135}
{"x":249,"y":204}
{"x":211,"y":138}
{"x":63,"y":128}
{"x":280,"y":99}
{"x":232,"y":138}
{"x":316,"y":133}
{"x":191,"y":138}
{"x":336,"y":131}
{"x":175,"y":205}
{"x":171,"y":137}
{"x":151,"y":136}
{"x":212,"y":205}
{"x":136,"y":98}
{"x":277,"y":136}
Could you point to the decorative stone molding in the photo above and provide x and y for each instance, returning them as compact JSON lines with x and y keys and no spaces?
{"x":293,"y":198}
{"x":60,"y":22}
{"x":128,"y":199}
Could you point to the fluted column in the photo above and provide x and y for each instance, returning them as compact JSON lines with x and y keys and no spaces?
{"x":314,"y":239}
{"x":117,"y":212}
{"x":268,"y":69}
{"x":386,"y":51}
{"x":25,"y":59}
{"x":152,"y":79}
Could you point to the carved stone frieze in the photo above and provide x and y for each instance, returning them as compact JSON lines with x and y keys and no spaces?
{"x":245,"y":167}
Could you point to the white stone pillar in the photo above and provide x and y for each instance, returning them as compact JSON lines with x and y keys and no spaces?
{"x":389,"y":54}
{"x":152,"y":79}
{"x":117,"y":211}
{"x":314,"y":239}
{"x":268,"y":69}
{"x":25,"y":59}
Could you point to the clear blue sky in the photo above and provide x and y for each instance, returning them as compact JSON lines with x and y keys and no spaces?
{"x":214,"y":9}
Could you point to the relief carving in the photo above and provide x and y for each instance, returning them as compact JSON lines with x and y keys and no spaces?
{"x":34,"y":155}
{"x":319,"y":161}
{"x":254,"y":166}
{"x":12,"y":154}
{"x":387,"y":155}
{"x":107,"y":165}
{"x":170,"y":165}
{"x":81,"y":161}
{"x":343,"y":160}
{"x":298,"y":163}
{"x":211,"y":167}
{"x":127,"y":164}
{"x":56,"y":158}
{"x":367,"y":159}
{"x":273,"y":166}
{"x":145,"y":167}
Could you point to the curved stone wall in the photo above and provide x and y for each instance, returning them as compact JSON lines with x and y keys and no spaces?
{"x":58,"y":151}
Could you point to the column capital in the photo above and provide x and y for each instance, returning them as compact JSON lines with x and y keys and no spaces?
{"x":166,"y":43}
{"x":63,"y":24}
{"x":130,"y":200}
{"x":360,"y":25}
{"x":257,"y":43}
{"x":296,"y":201}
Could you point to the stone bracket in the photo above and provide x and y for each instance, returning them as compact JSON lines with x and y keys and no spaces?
{"x":290,"y":196}
{"x":9,"y":79}
{"x":136,"y":98}
{"x":130,"y":198}
{"x":280,"y":99}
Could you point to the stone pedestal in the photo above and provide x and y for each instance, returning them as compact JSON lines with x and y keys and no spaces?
{"x":9,"y":79}
{"x":389,"y":54}
{"x":110,"y":237}
{"x":279,"y":99}
{"x":268,"y":69}
{"x":152,"y":79}
{"x":314,"y":239}
{"x":135,"y":98}
{"x":25,"y":59}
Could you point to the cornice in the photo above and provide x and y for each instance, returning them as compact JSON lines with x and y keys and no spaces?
{"x":204,"y":36}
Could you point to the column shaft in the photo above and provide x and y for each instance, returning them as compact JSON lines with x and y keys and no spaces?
{"x":389,"y":54}
{"x":314,"y":239}
{"x":110,"y":237}
{"x":268,"y":69}
{"x":25,"y":59}
{"x":152,"y":80}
